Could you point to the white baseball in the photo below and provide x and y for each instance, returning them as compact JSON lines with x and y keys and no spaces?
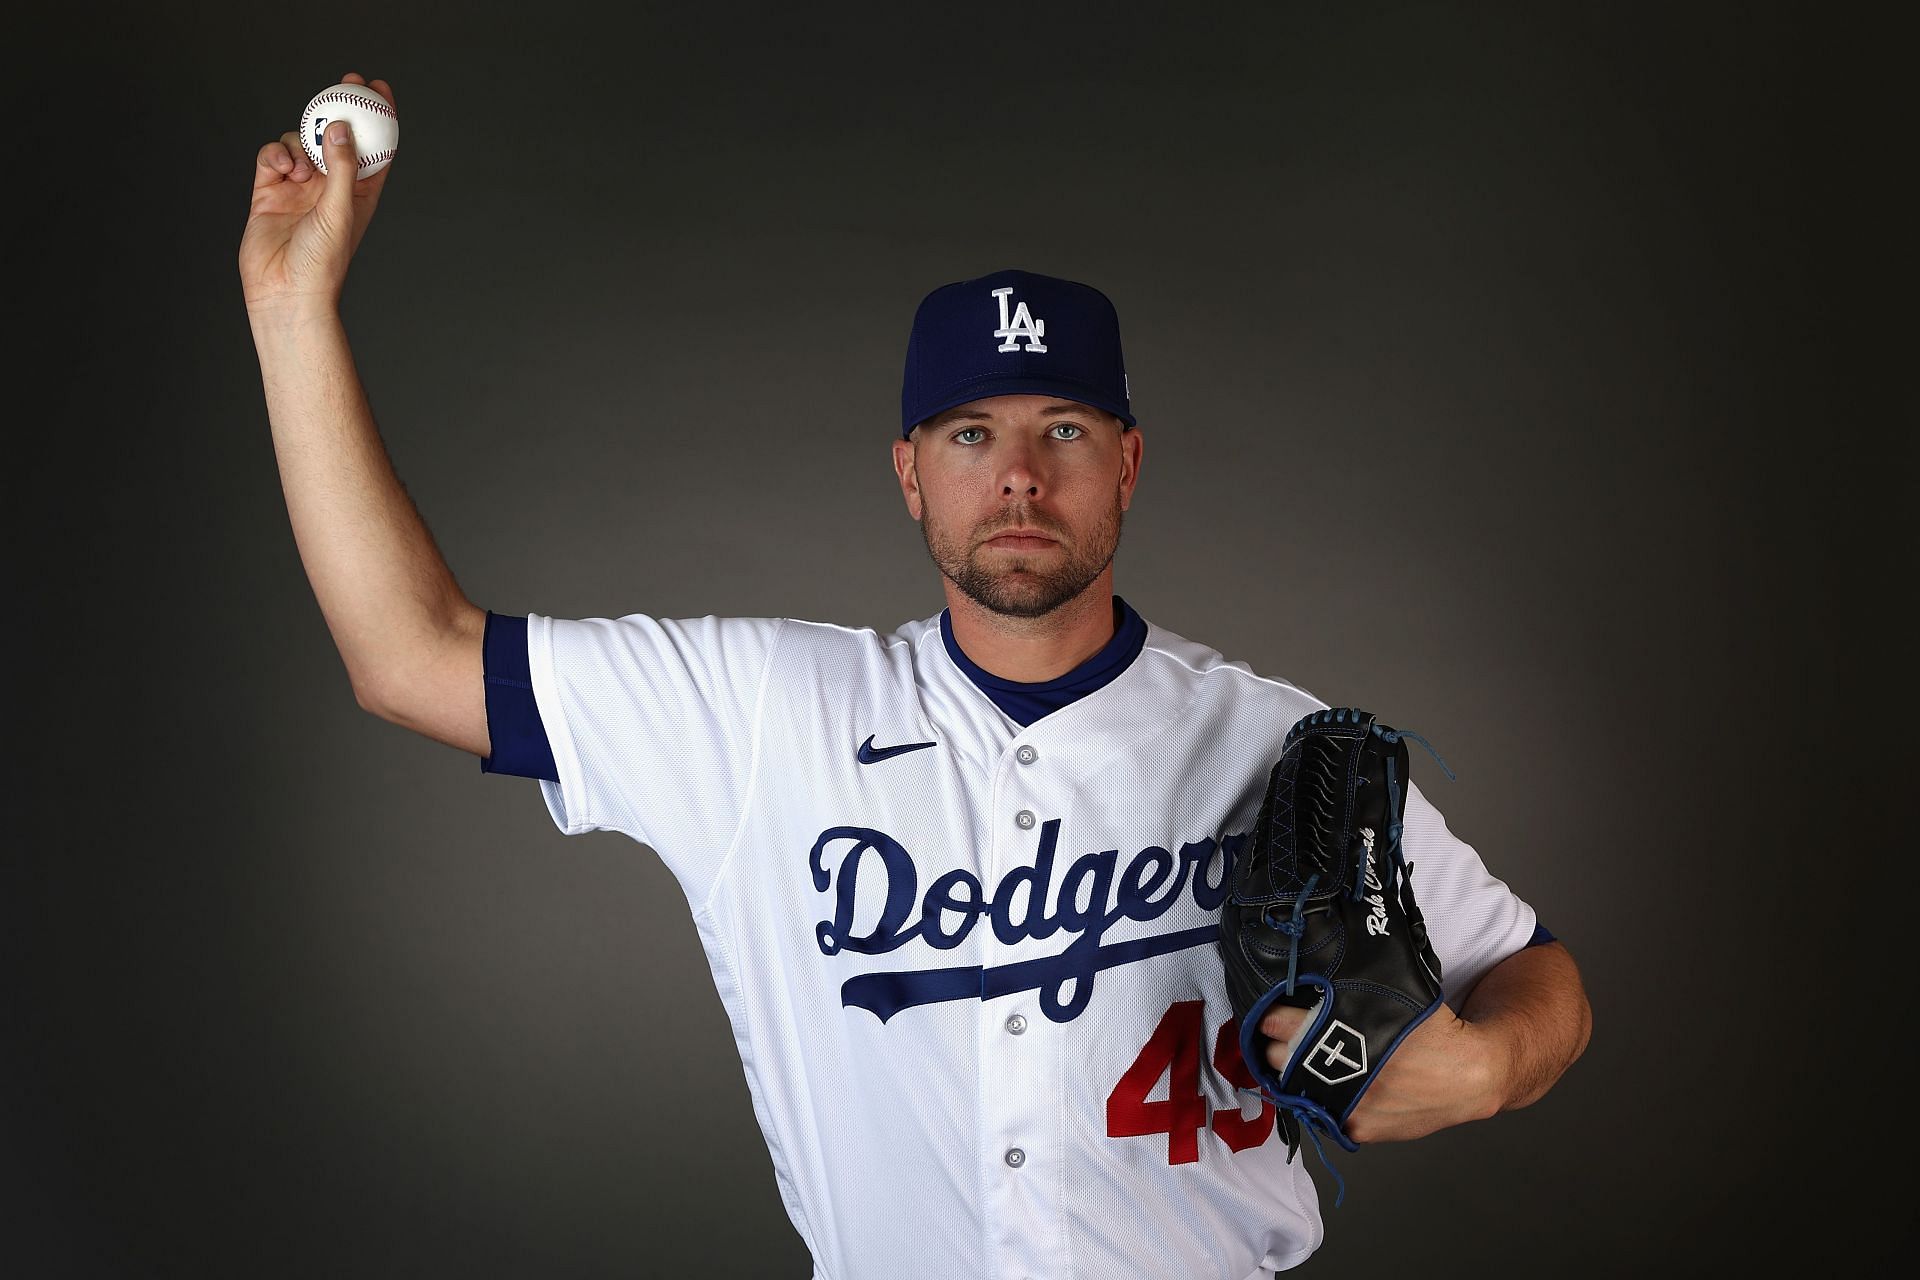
{"x":376,"y":129}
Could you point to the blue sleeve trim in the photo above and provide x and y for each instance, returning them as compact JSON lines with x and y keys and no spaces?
{"x":1540,"y":935}
{"x":520,"y":745}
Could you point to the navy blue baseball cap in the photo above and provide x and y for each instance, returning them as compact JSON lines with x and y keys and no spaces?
{"x":1013,"y":333}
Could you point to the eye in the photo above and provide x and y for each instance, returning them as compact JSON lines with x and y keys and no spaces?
{"x":1074,"y":427}
{"x":963,"y":431}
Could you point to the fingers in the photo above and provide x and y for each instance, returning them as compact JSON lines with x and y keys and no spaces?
{"x":273,"y":160}
{"x":288,"y":157}
{"x":281,"y":161}
{"x":1282,"y":1021}
{"x":286,"y":160}
{"x":380,"y":87}
{"x":1280,"y":1025}
{"x":292,"y":162}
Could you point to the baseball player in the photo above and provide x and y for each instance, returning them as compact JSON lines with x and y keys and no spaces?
{"x":959,"y":885}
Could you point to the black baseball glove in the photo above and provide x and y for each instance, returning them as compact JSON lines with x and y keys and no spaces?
{"x":1322,"y":916}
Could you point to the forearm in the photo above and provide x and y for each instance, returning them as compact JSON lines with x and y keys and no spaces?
{"x":381,"y":583}
{"x":1533,"y":1015}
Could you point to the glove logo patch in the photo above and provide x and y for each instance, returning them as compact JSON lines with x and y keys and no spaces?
{"x":1339,"y":1055}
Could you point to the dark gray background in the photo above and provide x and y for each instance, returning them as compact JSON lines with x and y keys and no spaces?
{"x":1486,"y":381}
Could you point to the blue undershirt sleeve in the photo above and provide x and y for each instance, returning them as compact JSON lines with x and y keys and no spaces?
{"x":519,"y":737}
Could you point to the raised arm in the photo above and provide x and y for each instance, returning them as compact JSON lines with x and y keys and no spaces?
{"x":410,"y":638}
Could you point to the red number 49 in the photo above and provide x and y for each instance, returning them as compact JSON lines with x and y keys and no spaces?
{"x":1174,"y":1049}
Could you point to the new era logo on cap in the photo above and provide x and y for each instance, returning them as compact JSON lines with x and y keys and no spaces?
{"x":1013,"y":333}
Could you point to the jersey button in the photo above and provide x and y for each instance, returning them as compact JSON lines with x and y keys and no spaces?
{"x":1015,"y":1157}
{"x":1024,"y":819}
{"x":1026,"y":755}
{"x":1017,"y":1024}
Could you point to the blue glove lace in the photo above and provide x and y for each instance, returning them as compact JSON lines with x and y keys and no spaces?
{"x":1294,"y":926}
{"x":1313,"y":1132}
{"x":1394,"y":735}
{"x":1395,"y":863}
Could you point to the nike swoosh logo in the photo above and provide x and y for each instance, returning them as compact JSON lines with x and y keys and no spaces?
{"x":870,"y":754}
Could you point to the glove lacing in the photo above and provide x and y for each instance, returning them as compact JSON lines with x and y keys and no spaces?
{"x":1294,"y":926}
{"x":1395,"y":863}
{"x":1312,"y":1126}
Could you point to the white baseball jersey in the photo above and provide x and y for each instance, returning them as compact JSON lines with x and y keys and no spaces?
{"x":970,"y":966}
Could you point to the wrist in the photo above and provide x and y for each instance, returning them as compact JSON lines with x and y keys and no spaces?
{"x":292,"y":311}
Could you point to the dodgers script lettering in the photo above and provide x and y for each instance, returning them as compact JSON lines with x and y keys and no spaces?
{"x":1026,"y":904}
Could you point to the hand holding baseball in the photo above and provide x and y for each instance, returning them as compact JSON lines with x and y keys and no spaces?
{"x":305,"y":223}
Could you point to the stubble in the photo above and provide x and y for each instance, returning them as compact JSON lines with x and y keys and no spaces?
{"x":1019,"y":585}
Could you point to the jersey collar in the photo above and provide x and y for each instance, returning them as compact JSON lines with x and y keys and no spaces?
{"x":1023,"y":702}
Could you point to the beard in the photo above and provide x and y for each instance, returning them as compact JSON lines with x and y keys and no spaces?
{"x":1019,"y":585}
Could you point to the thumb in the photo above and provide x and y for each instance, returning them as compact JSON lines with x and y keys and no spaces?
{"x":343,"y":169}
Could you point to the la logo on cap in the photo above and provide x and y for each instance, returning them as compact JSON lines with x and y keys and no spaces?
{"x":1020,"y":325}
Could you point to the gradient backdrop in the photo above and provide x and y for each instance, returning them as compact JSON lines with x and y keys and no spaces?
{"x":1483,"y":384}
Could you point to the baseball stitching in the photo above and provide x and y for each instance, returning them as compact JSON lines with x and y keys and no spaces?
{"x":378,"y":106}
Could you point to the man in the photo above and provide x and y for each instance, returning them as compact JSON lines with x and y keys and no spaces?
{"x":959,"y":886}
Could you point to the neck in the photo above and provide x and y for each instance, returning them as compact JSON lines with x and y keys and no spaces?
{"x":1033,"y":650}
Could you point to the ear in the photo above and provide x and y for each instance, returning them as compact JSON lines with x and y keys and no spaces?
{"x":909,"y":476}
{"x":1132,"y":449}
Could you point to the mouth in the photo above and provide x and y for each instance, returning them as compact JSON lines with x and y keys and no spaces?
{"x":1020,"y":542}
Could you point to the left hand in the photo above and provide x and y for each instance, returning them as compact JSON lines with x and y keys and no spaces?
{"x":1444,"y":1073}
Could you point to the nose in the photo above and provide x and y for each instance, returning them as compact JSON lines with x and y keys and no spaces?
{"x":1019,"y":471}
